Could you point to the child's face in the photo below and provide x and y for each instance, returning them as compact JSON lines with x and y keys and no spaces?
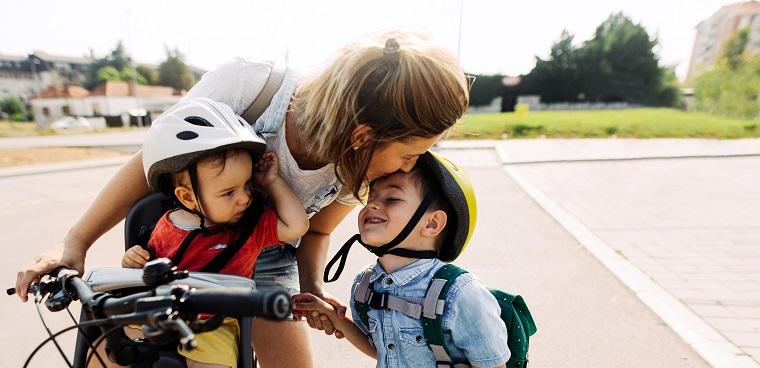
{"x":225,"y":194}
{"x":391,"y":204}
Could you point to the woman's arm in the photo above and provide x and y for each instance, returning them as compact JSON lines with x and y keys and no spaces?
{"x":110,"y":206}
{"x":312,"y":252}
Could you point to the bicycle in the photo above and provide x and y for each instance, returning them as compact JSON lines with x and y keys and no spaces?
{"x":165,"y":301}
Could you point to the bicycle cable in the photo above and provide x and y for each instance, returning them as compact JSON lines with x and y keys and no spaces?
{"x":50,"y":333}
{"x":53,"y":336}
{"x":100,"y":340}
{"x":85,"y":339}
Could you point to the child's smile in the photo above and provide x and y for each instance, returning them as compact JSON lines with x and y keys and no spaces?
{"x":391,"y":204}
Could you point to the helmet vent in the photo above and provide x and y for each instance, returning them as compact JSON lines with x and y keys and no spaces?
{"x":187,"y":135}
{"x":199,"y":121}
{"x":242,"y":122}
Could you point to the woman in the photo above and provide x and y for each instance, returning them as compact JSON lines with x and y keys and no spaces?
{"x":371,"y":111}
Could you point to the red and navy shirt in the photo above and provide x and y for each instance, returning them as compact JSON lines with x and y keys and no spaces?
{"x":167,"y":238}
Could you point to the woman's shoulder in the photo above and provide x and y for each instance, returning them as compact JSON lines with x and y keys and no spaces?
{"x":236,"y":83}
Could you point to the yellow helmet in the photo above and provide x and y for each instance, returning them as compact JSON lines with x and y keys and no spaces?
{"x":455,"y":185}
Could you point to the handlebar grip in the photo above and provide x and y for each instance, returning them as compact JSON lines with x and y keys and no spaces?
{"x":239,"y":301}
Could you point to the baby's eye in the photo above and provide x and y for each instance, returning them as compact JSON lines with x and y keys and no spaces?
{"x":393,"y":199}
{"x":228,"y":193}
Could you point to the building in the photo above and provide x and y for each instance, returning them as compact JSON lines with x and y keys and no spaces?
{"x":114,"y":100}
{"x":25,"y":76}
{"x":714,"y":32}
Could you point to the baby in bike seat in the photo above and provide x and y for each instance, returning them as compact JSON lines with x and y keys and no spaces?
{"x":211,"y":161}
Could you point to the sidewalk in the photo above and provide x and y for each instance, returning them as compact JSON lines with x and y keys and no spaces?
{"x":681,"y":235}
{"x":585,"y":316}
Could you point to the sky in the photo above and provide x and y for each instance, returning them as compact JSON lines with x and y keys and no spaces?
{"x":497,"y":36}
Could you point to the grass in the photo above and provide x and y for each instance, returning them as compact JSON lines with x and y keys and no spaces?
{"x":633,"y":123}
{"x":29,"y":129}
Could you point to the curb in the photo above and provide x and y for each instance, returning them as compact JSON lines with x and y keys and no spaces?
{"x":63,"y":166}
{"x":703,"y":338}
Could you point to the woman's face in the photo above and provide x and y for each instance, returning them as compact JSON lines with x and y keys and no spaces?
{"x":398,"y":155}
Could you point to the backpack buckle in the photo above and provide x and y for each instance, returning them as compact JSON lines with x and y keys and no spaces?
{"x":378,"y":300}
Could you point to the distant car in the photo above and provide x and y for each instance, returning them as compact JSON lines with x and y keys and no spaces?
{"x":71,"y":122}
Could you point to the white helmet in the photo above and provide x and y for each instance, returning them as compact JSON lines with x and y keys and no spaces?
{"x":191,"y":129}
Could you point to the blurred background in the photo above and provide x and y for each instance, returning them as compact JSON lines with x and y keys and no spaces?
{"x":92,"y":65}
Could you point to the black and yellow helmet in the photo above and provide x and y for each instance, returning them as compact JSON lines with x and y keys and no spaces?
{"x":455,"y":185}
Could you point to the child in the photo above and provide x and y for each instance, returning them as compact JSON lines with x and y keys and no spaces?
{"x":219,"y":227}
{"x":415,"y":222}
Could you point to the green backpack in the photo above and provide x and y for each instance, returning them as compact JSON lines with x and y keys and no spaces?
{"x":514,"y":314}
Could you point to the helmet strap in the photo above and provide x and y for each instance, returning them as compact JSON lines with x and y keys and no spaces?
{"x":196,"y":187}
{"x":388,"y":248}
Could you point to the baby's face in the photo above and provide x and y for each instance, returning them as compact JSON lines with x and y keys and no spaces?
{"x":391,"y":204}
{"x":225,"y":194}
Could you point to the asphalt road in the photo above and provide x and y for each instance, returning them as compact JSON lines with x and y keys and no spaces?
{"x":585,"y":316}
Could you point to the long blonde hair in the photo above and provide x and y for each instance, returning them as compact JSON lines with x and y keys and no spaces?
{"x":398,"y":83}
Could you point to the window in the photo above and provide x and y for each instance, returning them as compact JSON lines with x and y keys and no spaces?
{"x":46,"y":111}
{"x":66,"y":110}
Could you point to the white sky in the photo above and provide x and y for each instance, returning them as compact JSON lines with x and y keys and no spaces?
{"x":498,"y":36}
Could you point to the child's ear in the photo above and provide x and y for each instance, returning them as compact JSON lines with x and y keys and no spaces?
{"x":436,"y":222}
{"x":360,"y":136}
{"x":185,"y":196}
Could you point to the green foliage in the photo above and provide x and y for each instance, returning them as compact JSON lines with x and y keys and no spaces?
{"x":150,"y":74}
{"x":117,"y":59}
{"x":485,"y":88}
{"x":108,"y":73}
{"x":734,"y":49}
{"x":126,"y":75}
{"x":174,"y":72}
{"x":617,"y":64}
{"x":632,"y":123}
{"x":12,"y":105}
{"x":730,"y":91}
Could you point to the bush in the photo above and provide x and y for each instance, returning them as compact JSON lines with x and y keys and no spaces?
{"x":12,"y":105}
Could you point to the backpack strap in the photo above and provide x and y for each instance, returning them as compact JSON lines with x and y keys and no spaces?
{"x":365,"y":298}
{"x":433,"y":307}
{"x":361,"y":295}
{"x":264,"y":98}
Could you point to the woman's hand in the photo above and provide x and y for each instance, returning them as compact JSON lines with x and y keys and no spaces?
{"x":319,"y":312}
{"x":46,"y":262}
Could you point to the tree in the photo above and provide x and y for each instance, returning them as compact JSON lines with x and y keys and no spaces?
{"x":730,"y":88}
{"x":150,"y":74}
{"x":14,"y":107}
{"x":617,"y":64}
{"x":126,"y":75}
{"x":117,"y":59}
{"x":174,"y":72}
{"x":735,"y":47}
{"x":485,"y":88}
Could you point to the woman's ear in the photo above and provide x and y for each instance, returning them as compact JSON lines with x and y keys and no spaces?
{"x":360,"y":136}
{"x":185,"y":196}
{"x":436,"y":222}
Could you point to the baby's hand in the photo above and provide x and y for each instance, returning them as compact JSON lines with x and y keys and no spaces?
{"x":267,"y":170}
{"x":135,"y":257}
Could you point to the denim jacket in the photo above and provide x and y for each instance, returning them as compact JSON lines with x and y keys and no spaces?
{"x":473,"y":330}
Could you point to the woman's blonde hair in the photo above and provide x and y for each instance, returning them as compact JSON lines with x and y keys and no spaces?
{"x":398,"y":83}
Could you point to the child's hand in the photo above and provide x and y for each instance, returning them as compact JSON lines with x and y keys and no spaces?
{"x":318,"y":313}
{"x":306,"y":302}
{"x":266,"y":171}
{"x":135,"y":257}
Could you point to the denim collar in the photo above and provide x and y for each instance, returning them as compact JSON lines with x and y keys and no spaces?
{"x":405,"y":274}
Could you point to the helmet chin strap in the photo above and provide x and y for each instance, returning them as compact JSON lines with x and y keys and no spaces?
{"x":193,"y":173}
{"x":388,"y":248}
